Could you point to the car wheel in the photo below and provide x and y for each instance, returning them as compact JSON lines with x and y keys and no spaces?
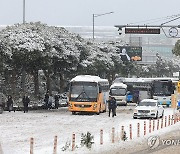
{"x":134,"y":117}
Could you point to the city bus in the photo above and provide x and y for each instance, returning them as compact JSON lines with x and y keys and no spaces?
{"x":88,"y":94}
{"x":163,"y":89}
{"x":160,"y":89}
{"x":119,"y":92}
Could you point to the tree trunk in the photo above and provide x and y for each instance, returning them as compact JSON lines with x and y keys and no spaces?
{"x":36,"y":84}
{"x":48,"y":81}
{"x":62,"y":84}
{"x":23,"y":80}
{"x":13,"y":83}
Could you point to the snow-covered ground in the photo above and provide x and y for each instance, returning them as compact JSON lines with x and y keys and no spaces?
{"x":17,"y":129}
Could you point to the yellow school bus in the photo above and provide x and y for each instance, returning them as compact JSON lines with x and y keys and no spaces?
{"x":88,"y":94}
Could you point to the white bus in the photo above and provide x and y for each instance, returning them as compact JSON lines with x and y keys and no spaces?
{"x":88,"y":94}
{"x":160,"y":88}
{"x":119,"y":92}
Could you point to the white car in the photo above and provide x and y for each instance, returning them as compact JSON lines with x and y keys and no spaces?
{"x":149,"y":108}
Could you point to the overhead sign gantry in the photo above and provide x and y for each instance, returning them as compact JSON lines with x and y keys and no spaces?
{"x":173,"y":30}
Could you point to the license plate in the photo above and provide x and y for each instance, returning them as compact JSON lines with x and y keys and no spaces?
{"x":81,"y":109}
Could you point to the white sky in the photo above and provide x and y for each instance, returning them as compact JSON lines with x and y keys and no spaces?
{"x":79,"y":12}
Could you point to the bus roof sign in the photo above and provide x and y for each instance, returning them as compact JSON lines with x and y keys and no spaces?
{"x":142,"y":30}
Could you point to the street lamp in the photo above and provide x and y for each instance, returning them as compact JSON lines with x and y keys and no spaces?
{"x":97,"y":15}
{"x":24,"y":12}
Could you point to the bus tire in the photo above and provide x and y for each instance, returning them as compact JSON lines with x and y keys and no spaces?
{"x":73,"y":113}
{"x":98,"y":112}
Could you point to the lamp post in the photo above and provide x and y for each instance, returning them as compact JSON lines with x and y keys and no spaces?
{"x":24,"y":11}
{"x":97,"y":15}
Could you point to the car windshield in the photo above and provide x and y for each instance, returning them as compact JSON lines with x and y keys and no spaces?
{"x":147,"y":103}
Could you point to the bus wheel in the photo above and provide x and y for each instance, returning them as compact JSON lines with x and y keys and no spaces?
{"x":98,"y":112}
{"x":73,"y":113}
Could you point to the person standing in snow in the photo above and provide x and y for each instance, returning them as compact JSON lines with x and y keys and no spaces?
{"x":56,"y":99}
{"x":46,"y":100}
{"x":10,"y":103}
{"x":25,"y":101}
{"x":115,"y":106}
{"x":112,"y":106}
{"x":50,"y":101}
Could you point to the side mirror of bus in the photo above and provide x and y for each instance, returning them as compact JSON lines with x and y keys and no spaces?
{"x":100,"y":89}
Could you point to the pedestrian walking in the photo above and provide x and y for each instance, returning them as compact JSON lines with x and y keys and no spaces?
{"x":56,"y":99}
{"x":50,"y":102}
{"x":26,"y":101}
{"x":46,"y":100}
{"x":115,"y":106}
{"x":112,"y":106}
{"x":10,"y":104}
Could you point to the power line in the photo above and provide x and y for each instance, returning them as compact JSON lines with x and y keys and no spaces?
{"x":156,"y":19}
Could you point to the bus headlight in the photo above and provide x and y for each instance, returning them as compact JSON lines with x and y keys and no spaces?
{"x":94,"y":106}
{"x":70,"y":105}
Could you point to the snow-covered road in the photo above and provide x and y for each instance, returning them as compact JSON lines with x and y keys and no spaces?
{"x":17,"y":129}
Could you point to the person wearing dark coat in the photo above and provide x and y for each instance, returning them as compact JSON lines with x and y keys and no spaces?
{"x":56,"y":99}
{"x":10,"y":103}
{"x":46,"y":100}
{"x":112,"y":106}
{"x":115,"y":106}
{"x":26,"y":101}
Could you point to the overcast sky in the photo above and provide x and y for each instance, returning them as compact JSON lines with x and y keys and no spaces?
{"x":80,"y":12}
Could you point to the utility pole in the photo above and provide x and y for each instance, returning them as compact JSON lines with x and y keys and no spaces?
{"x":24,"y":11}
{"x":97,"y":15}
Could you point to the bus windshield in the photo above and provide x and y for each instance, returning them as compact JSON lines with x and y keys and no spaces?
{"x":162,"y":88}
{"x":83,"y":91}
{"x":118,"y":91}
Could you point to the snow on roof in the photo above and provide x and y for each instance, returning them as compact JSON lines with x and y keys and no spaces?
{"x":122,"y":85}
{"x":89,"y":78}
{"x":143,"y":79}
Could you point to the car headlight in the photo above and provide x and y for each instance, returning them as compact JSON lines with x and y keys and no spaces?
{"x":135,"y":110}
{"x":153,"y":110}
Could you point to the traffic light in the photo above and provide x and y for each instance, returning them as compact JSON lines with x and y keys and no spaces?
{"x":120,"y":30}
